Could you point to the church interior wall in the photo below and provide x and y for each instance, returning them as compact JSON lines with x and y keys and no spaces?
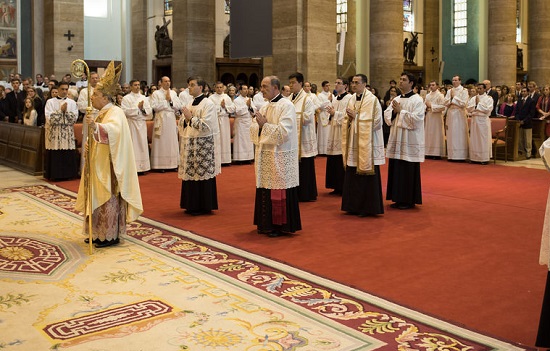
{"x":460,"y":59}
{"x":222,"y":26}
{"x":102,"y":35}
{"x":296,"y":45}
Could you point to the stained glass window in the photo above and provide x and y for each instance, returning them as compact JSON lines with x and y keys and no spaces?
{"x":408,"y":16}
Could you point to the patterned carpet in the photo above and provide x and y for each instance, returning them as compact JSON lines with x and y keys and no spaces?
{"x":167,"y":289}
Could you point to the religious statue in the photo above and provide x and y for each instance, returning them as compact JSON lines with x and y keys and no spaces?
{"x":411,"y":48}
{"x":405,"y":48}
{"x":519,"y":63}
{"x":163,"y":41}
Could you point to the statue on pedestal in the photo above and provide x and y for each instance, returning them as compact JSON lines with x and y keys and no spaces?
{"x":163,"y":41}
{"x":519,"y":59}
{"x":410,"y":50}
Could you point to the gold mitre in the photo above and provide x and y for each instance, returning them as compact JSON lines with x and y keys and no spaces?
{"x":108,"y":84}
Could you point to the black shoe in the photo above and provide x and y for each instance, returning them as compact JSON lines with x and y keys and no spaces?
{"x":197,"y":212}
{"x":274,"y":234}
{"x":405,"y":206}
{"x":394,"y":205}
{"x":87,"y":241}
{"x":99,"y":244}
{"x":335,"y":192}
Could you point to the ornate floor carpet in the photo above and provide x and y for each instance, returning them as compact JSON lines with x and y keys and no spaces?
{"x":168,"y":289}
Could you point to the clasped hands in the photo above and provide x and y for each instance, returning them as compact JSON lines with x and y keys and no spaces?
{"x":261,"y":119}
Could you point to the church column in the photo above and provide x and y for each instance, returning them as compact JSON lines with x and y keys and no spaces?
{"x":320,"y":41}
{"x":303,"y":38}
{"x":386,"y":42}
{"x":539,"y":32}
{"x":502,"y":42}
{"x":193,"y":41}
{"x":139,"y":39}
{"x":287,"y":38}
{"x":349,"y":65}
{"x":38,"y":37}
{"x":431,"y":41}
{"x":62,"y":20}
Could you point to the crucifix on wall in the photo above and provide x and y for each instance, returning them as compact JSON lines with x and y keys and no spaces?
{"x":69,"y":35}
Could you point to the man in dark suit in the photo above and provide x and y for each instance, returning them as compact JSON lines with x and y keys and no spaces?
{"x":525,"y":112}
{"x":15,"y":102}
{"x":494,"y":94}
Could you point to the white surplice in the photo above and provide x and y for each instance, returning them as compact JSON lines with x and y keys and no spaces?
{"x":225,"y":126}
{"x":138,"y":127}
{"x":323,"y":126}
{"x":457,"y":123}
{"x":334,"y":142}
{"x":305,"y":115}
{"x":406,"y":141}
{"x":480,"y":128}
{"x":165,"y":146}
{"x":243,"y":148}
{"x":434,"y":125}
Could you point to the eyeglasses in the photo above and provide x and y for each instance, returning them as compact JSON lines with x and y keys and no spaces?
{"x":337,"y":83}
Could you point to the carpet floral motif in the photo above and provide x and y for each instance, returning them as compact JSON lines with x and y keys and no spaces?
{"x":358,"y":323}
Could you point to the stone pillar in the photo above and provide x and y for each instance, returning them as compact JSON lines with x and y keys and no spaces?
{"x":304,"y":39}
{"x":38,"y":37}
{"x":539,"y":32}
{"x":502,"y":42}
{"x":320,"y":41}
{"x":61,"y":16}
{"x":349,"y":65}
{"x":431,"y":41}
{"x":386,"y":42}
{"x":193,"y":41}
{"x":139,"y":39}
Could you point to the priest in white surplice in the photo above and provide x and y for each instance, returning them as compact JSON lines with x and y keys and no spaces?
{"x":243,"y":148}
{"x":137,"y":110}
{"x":200,"y":152}
{"x":363,"y":150}
{"x":307,"y":150}
{"x":61,"y":113}
{"x":337,"y":111}
{"x":457,"y":121}
{"x":224,"y":106}
{"x":434,"y":124}
{"x":165,"y":146}
{"x":405,"y":150}
{"x":479,"y":108}
{"x":274,"y":132}
{"x":322,"y":119}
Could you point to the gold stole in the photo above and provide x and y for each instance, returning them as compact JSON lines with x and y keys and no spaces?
{"x":365,"y":136}
{"x":299,"y":122}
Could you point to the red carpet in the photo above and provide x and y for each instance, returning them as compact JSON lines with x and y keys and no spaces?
{"x":468,"y":255}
